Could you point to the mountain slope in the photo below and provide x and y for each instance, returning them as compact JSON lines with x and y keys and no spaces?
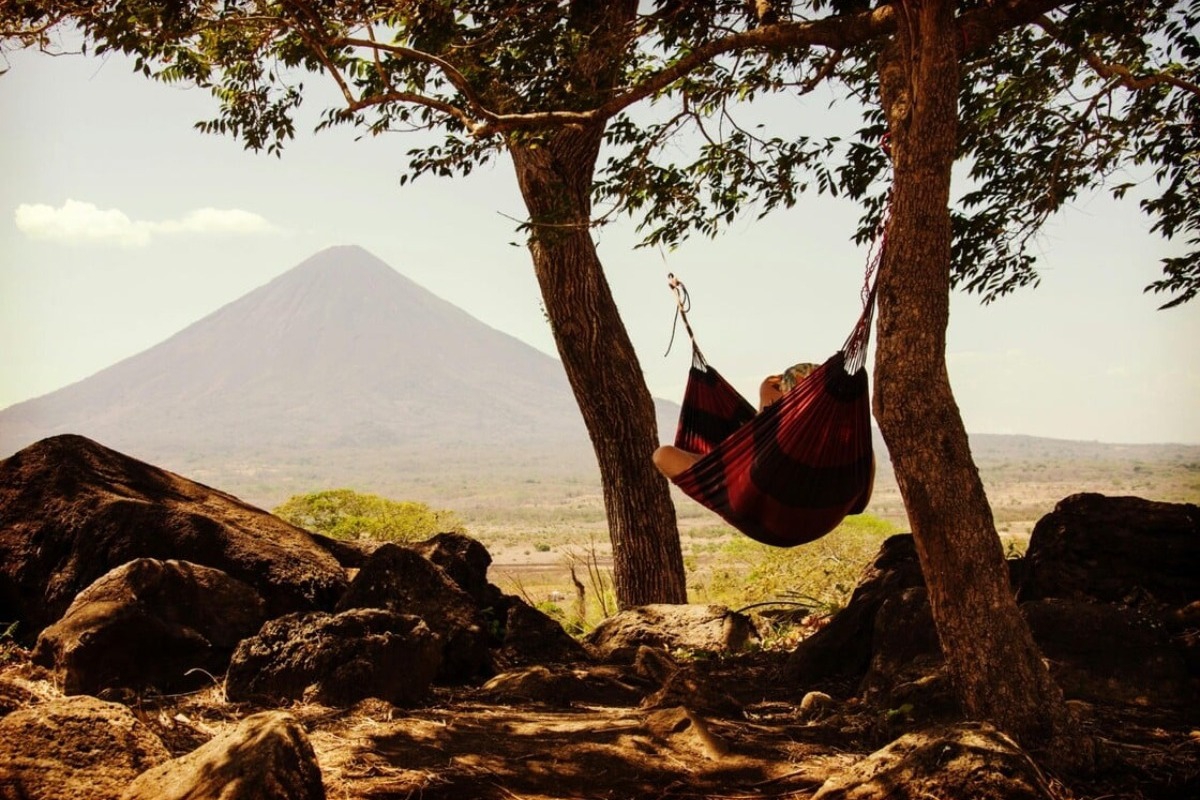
{"x":339,"y":352}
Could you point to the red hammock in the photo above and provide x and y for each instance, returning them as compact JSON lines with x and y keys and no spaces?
{"x":793,"y":472}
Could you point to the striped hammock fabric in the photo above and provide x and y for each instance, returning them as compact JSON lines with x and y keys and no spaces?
{"x":790,"y":474}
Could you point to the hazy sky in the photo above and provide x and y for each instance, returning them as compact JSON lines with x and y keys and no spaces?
{"x":120,"y":225}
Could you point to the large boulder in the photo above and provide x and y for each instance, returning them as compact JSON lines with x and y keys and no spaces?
{"x":693,"y":628}
{"x":530,"y":637}
{"x":74,"y":747}
{"x":149,"y":623}
{"x":1115,"y":550}
{"x":465,"y":560}
{"x":842,"y":649}
{"x":1111,"y":631}
{"x":72,"y":509}
{"x":1127,"y":573}
{"x":336,"y":659}
{"x":558,"y":685}
{"x":401,"y":580}
{"x":1104,"y":652}
{"x":266,"y":757}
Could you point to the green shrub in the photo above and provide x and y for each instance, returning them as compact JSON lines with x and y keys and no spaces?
{"x":821,"y":574}
{"x":346,"y":514}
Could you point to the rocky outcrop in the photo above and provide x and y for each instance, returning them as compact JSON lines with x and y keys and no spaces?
{"x":844,"y":647}
{"x":73,"y":509}
{"x":401,"y":580}
{"x":531,"y":637}
{"x":1123,"y":550}
{"x":266,"y":757}
{"x":337,"y":659}
{"x":907,"y":672}
{"x":1110,"y":587}
{"x":137,"y":578}
{"x":464,"y":560}
{"x":1103,"y":652}
{"x":171,"y":625}
{"x":74,"y":747}
{"x":694,"y":628}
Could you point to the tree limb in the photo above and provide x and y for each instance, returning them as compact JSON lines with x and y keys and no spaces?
{"x":1119,"y":72}
{"x":983,"y":26}
{"x":456,"y":78}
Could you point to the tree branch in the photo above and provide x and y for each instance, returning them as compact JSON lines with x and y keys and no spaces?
{"x":456,"y":78}
{"x":1118,"y":72}
{"x":449,"y":109}
{"x":983,"y":26}
{"x":836,"y":33}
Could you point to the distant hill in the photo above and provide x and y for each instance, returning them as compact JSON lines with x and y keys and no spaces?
{"x":338,"y":370}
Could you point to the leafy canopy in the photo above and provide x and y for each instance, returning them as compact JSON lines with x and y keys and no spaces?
{"x":1085,"y":96}
{"x":1059,"y":99}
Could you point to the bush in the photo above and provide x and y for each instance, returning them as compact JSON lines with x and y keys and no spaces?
{"x":821,"y":574}
{"x":346,"y":514}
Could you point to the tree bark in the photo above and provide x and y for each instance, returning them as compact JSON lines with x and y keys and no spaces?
{"x":555,"y":176}
{"x":989,"y":650}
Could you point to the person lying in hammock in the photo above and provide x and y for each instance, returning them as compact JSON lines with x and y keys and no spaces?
{"x":672,"y":460}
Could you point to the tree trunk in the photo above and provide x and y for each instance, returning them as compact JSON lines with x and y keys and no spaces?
{"x":555,"y":175}
{"x":990,"y":653}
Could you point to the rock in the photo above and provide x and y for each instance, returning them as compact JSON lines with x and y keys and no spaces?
{"x":907,"y":670}
{"x":349,"y":553}
{"x":539,"y":684}
{"x":337,"y":659}
{"x":146,"y":624}
{"x":401,"y":580}
{"x":531,"y":637}
{"x":465,"y":560}
{"x":74,"y":747}
{"x":816,"y":705}
{"x":693,"y":628}
{"x":1115,"y":550}
{"x":1184,"y":623}
{"x":14,"y":695}
{"x":267,"y":757}
{"x":559,"y":685}
{"x":74,"y":509}
{"x":843,"y":648}
{"x":680,"y":725}
{"x":968,"y":760}
{"x":1101,"y":652}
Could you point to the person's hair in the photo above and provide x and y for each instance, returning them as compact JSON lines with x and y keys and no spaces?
{"x":794,"y":374}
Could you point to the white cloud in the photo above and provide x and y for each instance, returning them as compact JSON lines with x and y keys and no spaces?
{"x":80,"y":222}
{"x":217,"y":220}
{"x":83,"y":223}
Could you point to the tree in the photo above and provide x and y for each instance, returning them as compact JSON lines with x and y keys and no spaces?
{"x":986,"y":80}
{"x":1043,"y":108}
{"x":346,"y":514}
{"x":484,"y":73}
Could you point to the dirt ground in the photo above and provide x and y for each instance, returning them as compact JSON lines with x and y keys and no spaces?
{"x":605,"y":742}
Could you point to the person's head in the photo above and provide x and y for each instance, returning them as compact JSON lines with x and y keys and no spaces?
{"x":794,"y":374}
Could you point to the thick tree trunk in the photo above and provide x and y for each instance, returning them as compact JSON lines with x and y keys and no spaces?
{"x":989,"y":650}
{"x":555,"y":177}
